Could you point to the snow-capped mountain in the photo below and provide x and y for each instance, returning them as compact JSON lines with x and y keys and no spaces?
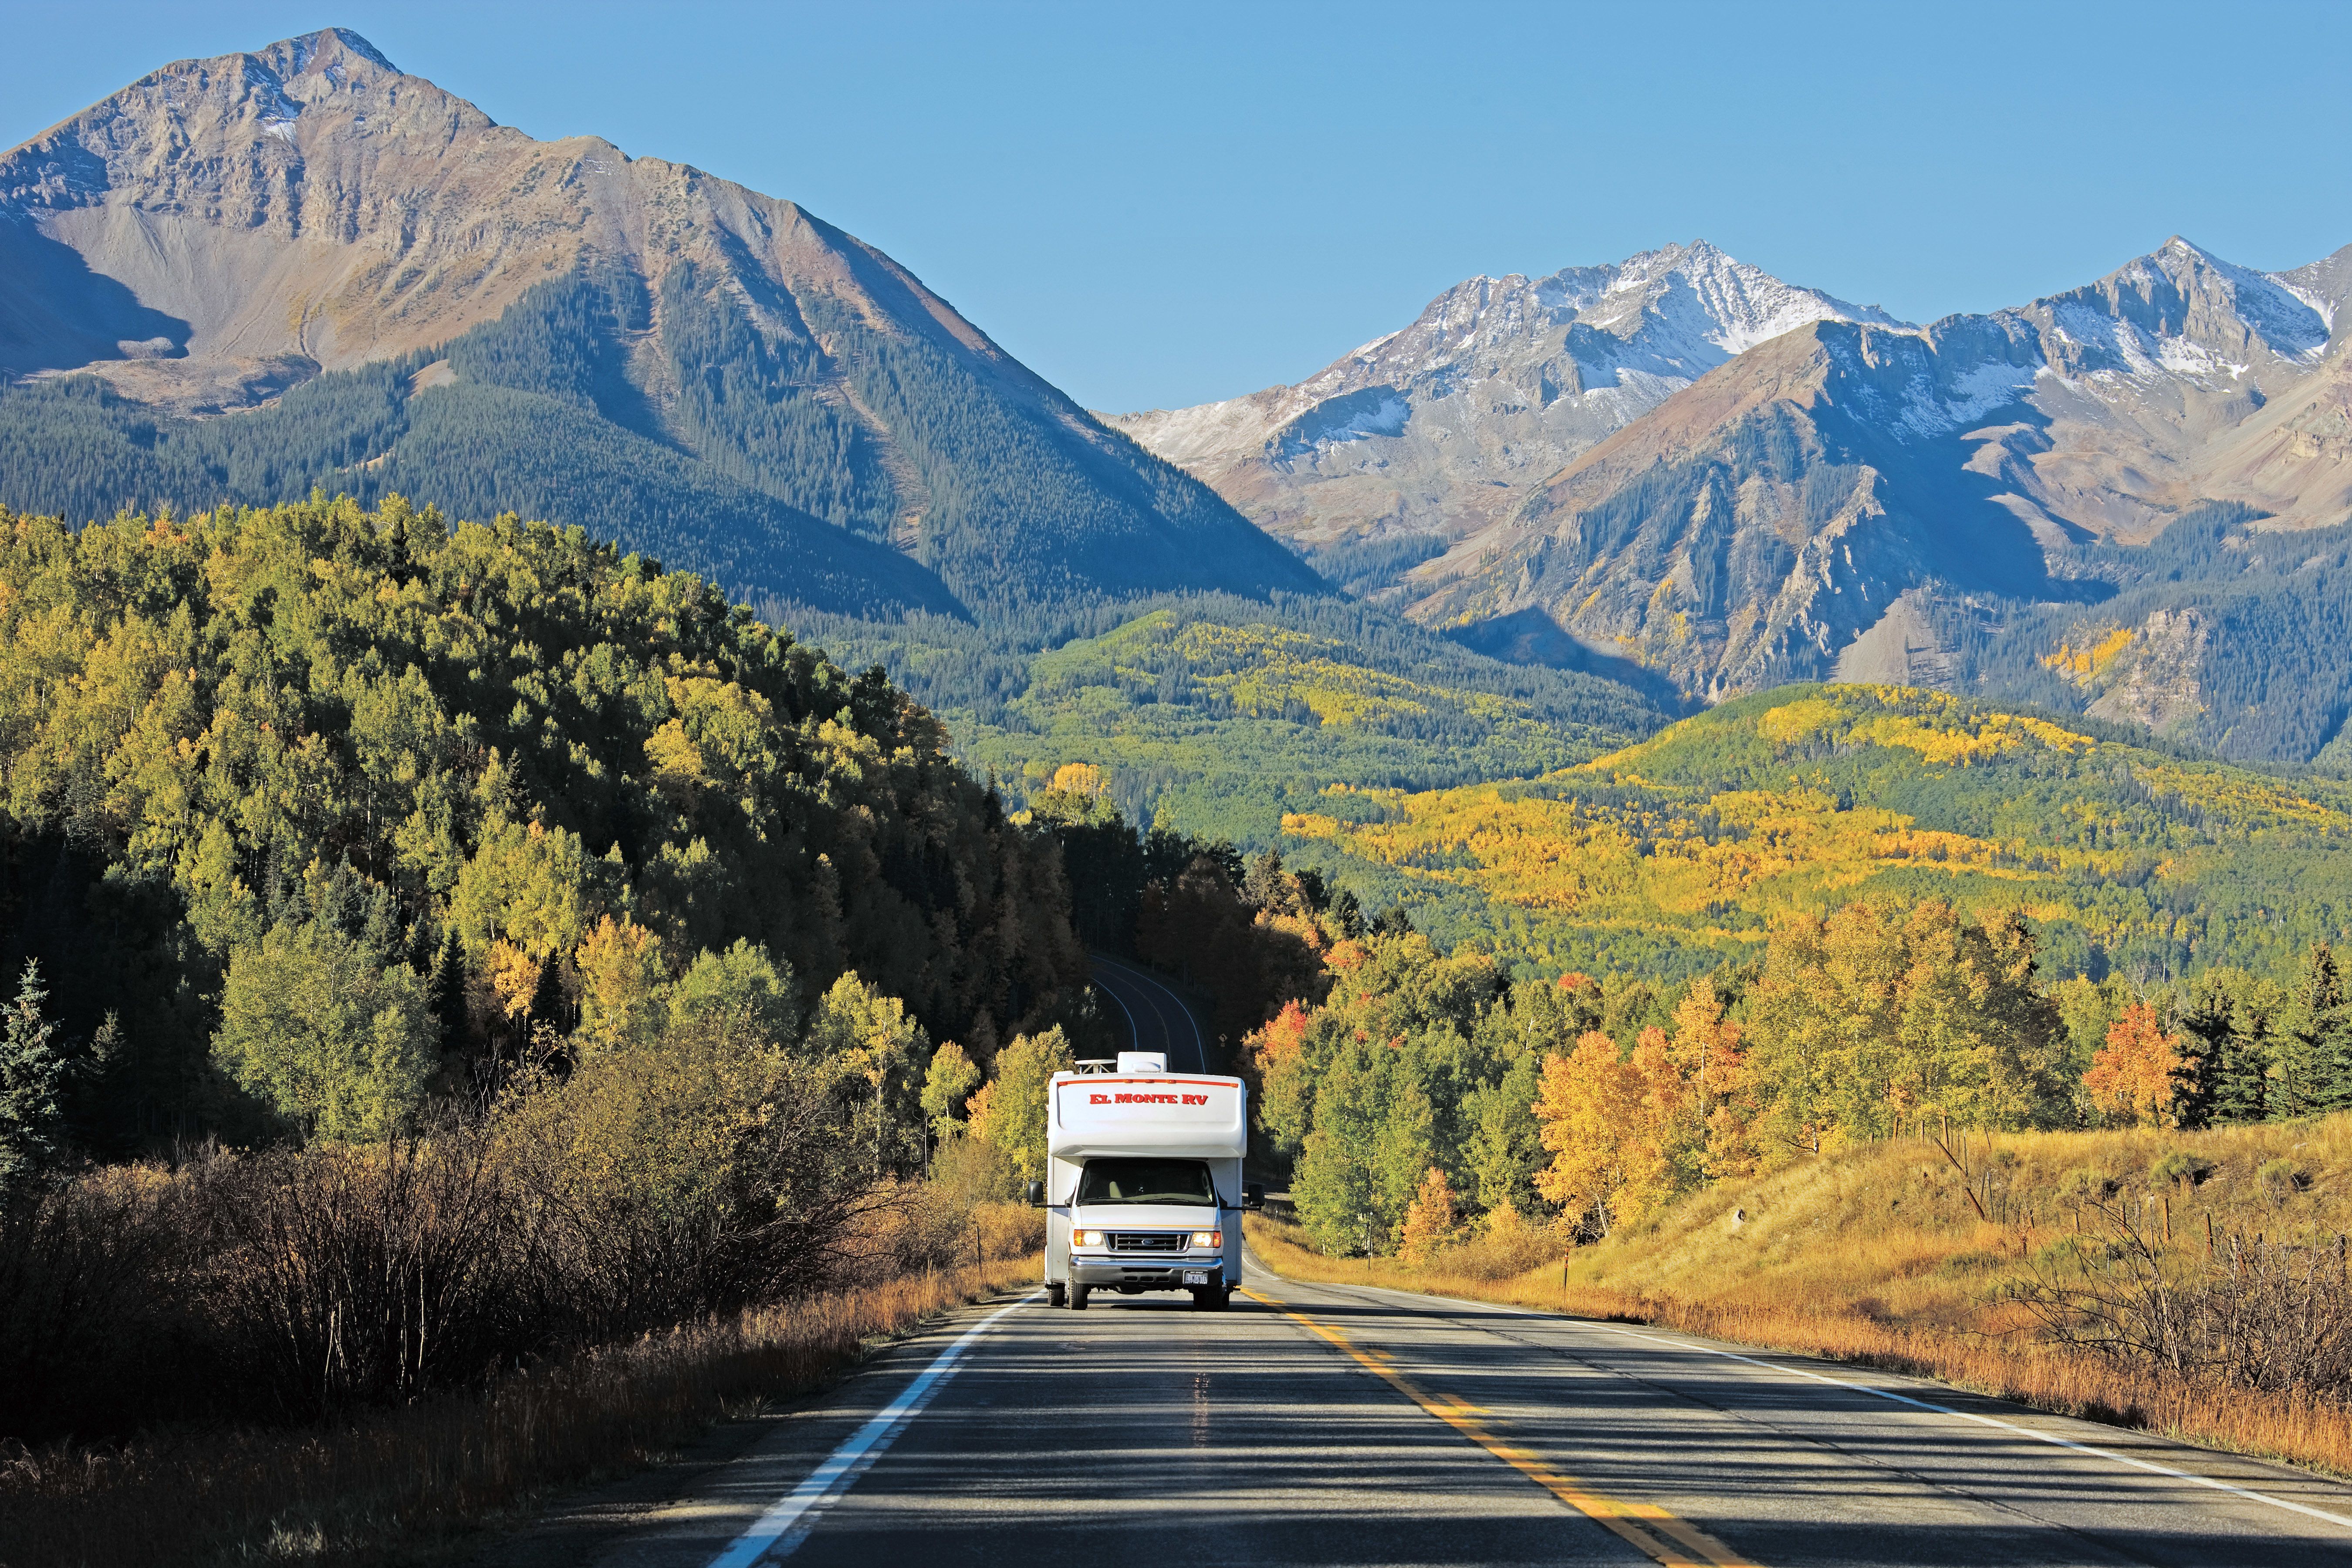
{"x":1444,"y":425}
{"x":1803,"y":508}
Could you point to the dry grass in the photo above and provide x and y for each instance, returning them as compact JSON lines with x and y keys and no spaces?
{"x":1879,"y":1257}
{"x":415,"y":1484}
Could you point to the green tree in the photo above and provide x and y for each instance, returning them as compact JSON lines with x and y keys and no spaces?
{"x":742,"y":996}
{"x":1505,"y":1141}
{"x":319,"y":1025}
{"x":2311,"y":1041}
{"x":871,"y":1051}
{"x":947,"y":1085}
{"x":1336,"y":1180}
{"x":1010,"y":1111}
{"x":36,"y":1065}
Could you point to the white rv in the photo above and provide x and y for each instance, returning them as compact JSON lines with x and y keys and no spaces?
{"x":1144,"y":1182}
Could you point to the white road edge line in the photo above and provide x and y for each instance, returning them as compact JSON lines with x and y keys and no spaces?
{"x":2053,"y":1438}
{"x":856,"y":1454}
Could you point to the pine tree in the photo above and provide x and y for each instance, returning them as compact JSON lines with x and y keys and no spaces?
{"x":446,"y":998}
{"x":2310,"y":1048}
{"x":2241,"y":1073}
{"x":35,"y":1066}
{"x":2203,"y":1049}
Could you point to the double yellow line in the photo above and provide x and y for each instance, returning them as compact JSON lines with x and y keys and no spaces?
{"x":1646,"y":1526}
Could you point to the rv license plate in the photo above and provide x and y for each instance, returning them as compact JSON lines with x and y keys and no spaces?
{"x":1196,"y":1276}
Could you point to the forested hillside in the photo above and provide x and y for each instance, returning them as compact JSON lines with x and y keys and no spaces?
{"x":1679,"y":853}
{"x":1213,"y":715}
{"x":754,"y":473}
{"x":315,"y":814}
{"x":1419,"y":1095}
{"x":2220,"y":631}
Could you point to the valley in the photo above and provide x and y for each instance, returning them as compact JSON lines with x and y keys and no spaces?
{"x":581,"y":751}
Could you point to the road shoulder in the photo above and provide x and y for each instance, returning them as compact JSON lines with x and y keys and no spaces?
{"x":616,"y":1520}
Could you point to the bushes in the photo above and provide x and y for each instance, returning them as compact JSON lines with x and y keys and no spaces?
{"x":395,"y":1487}
{"x":2256,"y":1314}
{"x":653,"y":1186}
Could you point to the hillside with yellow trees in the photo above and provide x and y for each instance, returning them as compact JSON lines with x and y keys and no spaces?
{"x":1679,"y":853}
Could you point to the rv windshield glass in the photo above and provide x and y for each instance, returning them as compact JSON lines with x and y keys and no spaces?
{"x":1146,"y":1182}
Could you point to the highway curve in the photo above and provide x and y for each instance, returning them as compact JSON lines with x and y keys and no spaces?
{"x":1332,"y":1425}
{"x":1149,"y":1016}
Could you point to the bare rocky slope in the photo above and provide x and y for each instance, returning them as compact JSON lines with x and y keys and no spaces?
{"x":220,"y":268}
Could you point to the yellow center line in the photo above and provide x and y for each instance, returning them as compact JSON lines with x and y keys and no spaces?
{"x":1627,"y":1520}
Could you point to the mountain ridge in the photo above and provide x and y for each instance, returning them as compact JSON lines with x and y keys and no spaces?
{"x":227,"y":234}
{"x":1861,"y":497}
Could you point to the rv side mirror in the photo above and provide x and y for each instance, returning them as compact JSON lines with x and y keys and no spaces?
{"x":1036,"y":1195}
{"x":1253,"y":1196}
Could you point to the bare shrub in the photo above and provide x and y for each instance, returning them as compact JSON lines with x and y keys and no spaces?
{"x":2259,"y":1314}
{"x":341,"y":1276}
{"x":91,"y":1330}
{"x":655,"y":1186}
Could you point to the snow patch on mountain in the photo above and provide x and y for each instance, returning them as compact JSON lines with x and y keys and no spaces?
{"x":1935,"y":408}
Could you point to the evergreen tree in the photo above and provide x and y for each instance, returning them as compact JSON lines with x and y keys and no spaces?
{"x":446,"y":998}
{"x":2312,"y":1052}
{"x":36,"y":1065}
{"x":2202,"y":1050}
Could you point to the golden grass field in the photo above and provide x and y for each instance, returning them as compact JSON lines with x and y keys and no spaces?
{"x":1878,"y":1255}
{"x":421,"y":1485}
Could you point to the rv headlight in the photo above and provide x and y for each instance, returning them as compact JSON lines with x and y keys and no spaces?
{"x":1090,"y":1238}
{"x":1208,"y":1238}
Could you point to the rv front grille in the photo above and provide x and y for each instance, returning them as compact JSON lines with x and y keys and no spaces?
{"x":1147,"y":1241}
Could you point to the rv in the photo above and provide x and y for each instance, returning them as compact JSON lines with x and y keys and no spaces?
{"x":1143,"y":1182}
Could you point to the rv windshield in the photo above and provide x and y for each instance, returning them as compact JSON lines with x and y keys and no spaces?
{"x":1146,"y":1182}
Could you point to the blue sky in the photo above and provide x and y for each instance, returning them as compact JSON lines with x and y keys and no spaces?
{"x":1161,"y":205}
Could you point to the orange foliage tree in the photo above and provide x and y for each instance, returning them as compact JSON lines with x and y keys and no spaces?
{"x":2131,"y":1077}
{"x":1429,"y":1222}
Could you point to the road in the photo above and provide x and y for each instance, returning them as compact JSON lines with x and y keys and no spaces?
{"x":1151,"y":1017}
{"x":1332,"y":1424}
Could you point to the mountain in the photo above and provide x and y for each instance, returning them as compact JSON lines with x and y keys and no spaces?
{"x":1973,"y":504}
{"x":1681,"y":471}
{"x":242,"y":276}
{"x":1443,"y":428}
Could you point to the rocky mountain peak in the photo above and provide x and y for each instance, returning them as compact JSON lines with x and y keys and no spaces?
{"x":2180,"y":311}
{"x":629,"y":344}
{"x":1439,"y":427}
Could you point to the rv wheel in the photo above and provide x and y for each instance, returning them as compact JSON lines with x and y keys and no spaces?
{"x":1054,"y":1295}
{"x":1078,"y":1297}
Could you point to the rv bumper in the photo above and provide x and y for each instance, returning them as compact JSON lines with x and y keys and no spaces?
{"x":1103,"y":1274}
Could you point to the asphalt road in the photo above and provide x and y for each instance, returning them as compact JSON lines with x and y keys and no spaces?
{"x":1357,"y":1425}
{"x":1151,"y":1017}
